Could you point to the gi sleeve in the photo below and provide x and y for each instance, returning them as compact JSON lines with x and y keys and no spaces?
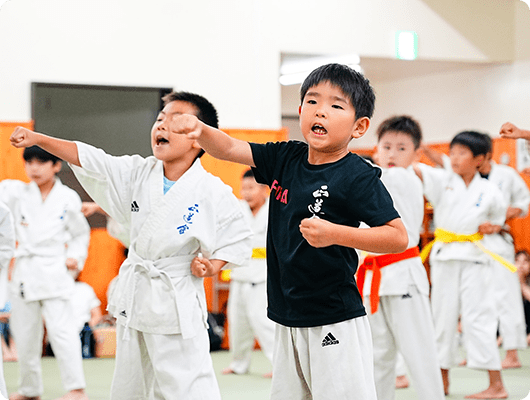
{"x":7,"y":236}
{"x":498,"y":208}
{"x":233,"y":232}
{"x":79,"y":233}
{"x":520,"y":195}
{"x":107,"y":179}
{"x":434,"y":182}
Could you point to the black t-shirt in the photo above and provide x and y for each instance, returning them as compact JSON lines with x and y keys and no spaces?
{"x":310,"y":286}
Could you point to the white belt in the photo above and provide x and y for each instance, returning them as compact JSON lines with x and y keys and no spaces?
{"x":165,"y":269}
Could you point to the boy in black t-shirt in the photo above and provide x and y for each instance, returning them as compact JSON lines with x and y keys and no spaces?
{"x":319,"y":194}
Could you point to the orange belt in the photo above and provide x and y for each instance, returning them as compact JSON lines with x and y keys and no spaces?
{"x":374,"y":264}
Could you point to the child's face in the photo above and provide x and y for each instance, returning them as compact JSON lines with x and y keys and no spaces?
{"x":396,"y":149}
{"x":253,"y":193}
{"x":327,"y":120}
{"x":169,"y":147}
{"x":41,"y":172}
{"x":463,"y":162}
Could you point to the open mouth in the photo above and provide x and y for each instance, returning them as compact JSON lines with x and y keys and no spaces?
{"x":161,"y":140}
{"x":319,"y":129}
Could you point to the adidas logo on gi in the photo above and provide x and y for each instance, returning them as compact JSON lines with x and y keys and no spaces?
{"x":134,"y":206}
{"x":329,"y":339}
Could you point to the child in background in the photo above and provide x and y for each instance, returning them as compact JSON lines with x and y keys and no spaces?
{"x":183,"y":224}
{"x":466,"y":207}
{"x":52,"y":236}
{"x":506,"y":284}
{"x":247,"y":302}
{"x":319,"y":194}
{"x":397,"y":288}
{"x":7,"y":250}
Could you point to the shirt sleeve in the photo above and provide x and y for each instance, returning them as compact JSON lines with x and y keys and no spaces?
{"x":434,"y":182}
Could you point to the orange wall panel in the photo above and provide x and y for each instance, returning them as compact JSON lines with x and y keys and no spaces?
{"x":11,"y":162}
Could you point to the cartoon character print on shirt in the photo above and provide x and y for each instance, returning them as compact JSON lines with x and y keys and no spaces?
{"x":320,"y":194}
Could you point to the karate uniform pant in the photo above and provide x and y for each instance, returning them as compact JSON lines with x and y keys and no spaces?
{"x":404,"y":324}
{"x":27,"y":327}
{"x":3,"y":390}
{"x":247,"y":320}
{"x":465,"y":288}
{"x":164,"y":367}
{"x":512,"y":326}
{"x":324,"y":362}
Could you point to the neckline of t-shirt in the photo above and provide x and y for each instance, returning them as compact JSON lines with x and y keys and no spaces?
{"x":308,"y":165}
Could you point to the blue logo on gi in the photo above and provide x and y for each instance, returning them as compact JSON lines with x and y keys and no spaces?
{"x":188,"y":219}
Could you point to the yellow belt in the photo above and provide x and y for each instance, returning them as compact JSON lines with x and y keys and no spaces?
{"x":441,"y":235}
{"x":257,"y":252}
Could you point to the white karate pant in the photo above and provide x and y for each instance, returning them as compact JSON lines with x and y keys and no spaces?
{"x":512,"y":324}
{"x":27,"y":327}
{"x":404,"y":324}
{"x":465,"y":288}
{"x":164,"y":367}
{"x":247,"y":320}
{"x":324,"y":362}
{"x":3,"y":390}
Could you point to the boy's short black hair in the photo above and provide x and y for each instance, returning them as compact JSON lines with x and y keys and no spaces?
{"x":474,"y":141}
{"x":403,"y":124}
{"x":206,"y":112}
{"x":248,"y":174}
{"x":352,"y":83}
{"x":33,"y":152}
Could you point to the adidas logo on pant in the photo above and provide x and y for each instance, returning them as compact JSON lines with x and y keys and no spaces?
{"x":329,"y":339}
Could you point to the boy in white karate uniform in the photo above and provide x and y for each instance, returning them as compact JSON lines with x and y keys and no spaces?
{"x":247,"y":302}
{"x":507,"y":286}
{"x":7,"y":250}
{"x":320,"y":192}
{"x":399,"y":307}
{"x":184,"y":224}
{"x":52,"y":236}
{"x":466,"y":207}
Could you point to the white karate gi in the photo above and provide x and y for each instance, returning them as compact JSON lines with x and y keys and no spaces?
{"x":48,"y":232}
{"x":162,"y":341}
{"x":461,"y":274}
{"x":404,"y":320}
{"x":247,"y":302}
{"x":7,"y":250}
{"x":512,"y":325}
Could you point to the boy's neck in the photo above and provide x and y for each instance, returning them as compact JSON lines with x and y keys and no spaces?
{"x":46,"y":188}
{"x":174,"y":170}
{"x":257,"y":207}
{"x":319,"y":158}
{"x":468,"y":177}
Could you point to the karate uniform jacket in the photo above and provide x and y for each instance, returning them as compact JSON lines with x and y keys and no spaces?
{"x":7,"y":249}
{"x":461,"y":209}
{"x":407,"y":192}
{"x":48,"y":232}
{"x":155,"y":291}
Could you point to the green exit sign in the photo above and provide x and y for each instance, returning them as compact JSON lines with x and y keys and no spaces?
{"x":406,"y":45}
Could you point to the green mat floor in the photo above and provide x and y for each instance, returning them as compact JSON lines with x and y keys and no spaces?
{"x":254,"y":386}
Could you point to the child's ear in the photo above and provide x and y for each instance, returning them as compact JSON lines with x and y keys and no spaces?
{"x":360,"y":127}
{"x":480,"y":159}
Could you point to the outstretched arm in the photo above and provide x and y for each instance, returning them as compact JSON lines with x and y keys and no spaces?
{"x":389,"y":238}
{"x":64,"y":149}
{"x":433,"y":155}
{"x":510,"y":131}
{"x":214,"y":141}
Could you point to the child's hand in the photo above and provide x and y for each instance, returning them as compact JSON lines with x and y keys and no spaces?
{"x":510,"y":131}
{"x":317,"y":232}
{"x":89,"y":208}
{"x":22,"y":137}
{"x":186,"y":124}
{"x":71,"y":264}
{"x":201,"y":267}
{"x":487,"y":228}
